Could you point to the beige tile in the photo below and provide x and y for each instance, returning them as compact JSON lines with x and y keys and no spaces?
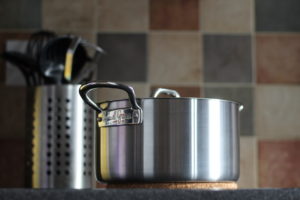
{"x":277,"y":110}
{"x":69,"y":15}
{"x":248,"y":163}
{"x":142,"y":90}
{"x":230,"y":16}
{"x":122,"y":15}
{"x":175,"y":58}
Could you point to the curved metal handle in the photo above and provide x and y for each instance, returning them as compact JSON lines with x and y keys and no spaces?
{"x":166,"y":91}
{"x":86,"y":88}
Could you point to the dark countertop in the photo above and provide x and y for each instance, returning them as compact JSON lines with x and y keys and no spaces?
{"x":144,"y":194}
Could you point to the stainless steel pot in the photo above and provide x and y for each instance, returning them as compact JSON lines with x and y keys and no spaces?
{"x":165,"y":139}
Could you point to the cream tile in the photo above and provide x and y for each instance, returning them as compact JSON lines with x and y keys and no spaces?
{"x":230,"y":16}
{"x":122,"y":15}
{"x":142,"y":90}
{"x":248,"y":163}
{"x":277,"y":112}
{"x":90,"y":36}
{"x":175,"y":58}
{"x":69,"y":15}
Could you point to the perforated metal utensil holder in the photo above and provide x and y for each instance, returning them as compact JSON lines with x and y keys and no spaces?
{"x":62,"y":139}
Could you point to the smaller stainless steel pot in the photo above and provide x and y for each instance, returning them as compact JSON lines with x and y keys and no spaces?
{"x":165,"y":139}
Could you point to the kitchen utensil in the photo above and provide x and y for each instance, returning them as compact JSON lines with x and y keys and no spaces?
{"x":165,"y":139}
{"x":61,"y":142}
{"x":24,"y":63}
{"x":36,"y":43}
{"x":90,"y":68}
{"x":69,"y":58}
{"x":53,"y":58}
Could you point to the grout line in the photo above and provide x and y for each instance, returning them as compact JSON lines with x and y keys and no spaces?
{"x":96,"y":16}
{"x":147,"y":67}
{"x":228,"y":85}
{"x":277,"y":33}
{"x":147,"y":33}
{"x":254,"y":68}
{"x":200,"y":22}
{"x":256,"y":160}
{"x":22,"y":30}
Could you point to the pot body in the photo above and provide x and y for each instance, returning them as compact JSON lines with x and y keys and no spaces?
{"x":180,"y":139}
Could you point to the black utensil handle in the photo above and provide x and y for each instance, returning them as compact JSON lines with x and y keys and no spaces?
{"x":86,"y":88}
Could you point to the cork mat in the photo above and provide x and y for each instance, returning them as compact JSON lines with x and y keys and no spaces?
{"x":185,"y":185}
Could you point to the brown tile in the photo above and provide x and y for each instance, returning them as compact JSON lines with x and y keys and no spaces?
{"x":277,"y":58}
{"x":12,"y":163}
{"x":123,"y":15}
{"x":279,"y":164}
{"x":184,"y":91}
{"x":4,"y":36}
{"x":69,"y":15}
{"x":248,"y":163}
{"x":230,"y":16}
{"x":277,"y":111}
{"x":175,"y":58}
{"x":174,"y":14}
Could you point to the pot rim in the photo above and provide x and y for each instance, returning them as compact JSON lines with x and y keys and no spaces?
{"x":173,"y":98}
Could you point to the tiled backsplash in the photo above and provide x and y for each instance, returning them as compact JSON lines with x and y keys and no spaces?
{"x":247,"y":51}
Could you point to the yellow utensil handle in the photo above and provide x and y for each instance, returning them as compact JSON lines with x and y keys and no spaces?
{"x":68,"y":66}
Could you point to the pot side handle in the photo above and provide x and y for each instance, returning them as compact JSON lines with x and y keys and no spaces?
{"x":86,"y":88}
{"x":166,"y":91}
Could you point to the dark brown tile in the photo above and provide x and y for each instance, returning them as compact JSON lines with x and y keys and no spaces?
{"x":4,"y":36}
{"x":277,"y":58}
{"x":12,"y":163}
{"x":174,"y":14}
{"x":13,"y":111}
{"x":279,"y":164}
{"x":184,"y":91}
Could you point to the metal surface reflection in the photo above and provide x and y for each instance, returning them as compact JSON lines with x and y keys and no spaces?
{"x":184,"y":139}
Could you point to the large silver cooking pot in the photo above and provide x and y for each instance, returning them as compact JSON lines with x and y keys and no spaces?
{"x":165,"y":139}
